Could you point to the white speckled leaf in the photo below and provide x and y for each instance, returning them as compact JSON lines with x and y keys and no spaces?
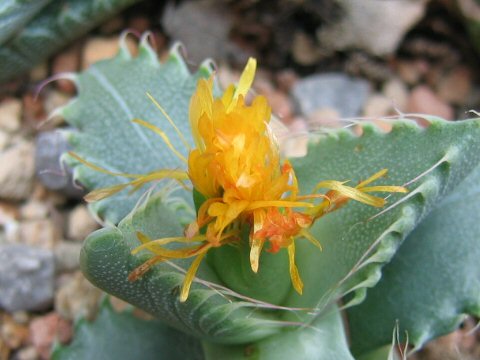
{"x":106,"y":261}
{"x":356,"y":246}
{"x":324,"y":339}
{"x":111,"y":94}
{"x":433,"y":280}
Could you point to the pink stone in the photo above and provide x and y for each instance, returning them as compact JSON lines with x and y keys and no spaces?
{"x":424,"y":101}
{"x":45,"y":329}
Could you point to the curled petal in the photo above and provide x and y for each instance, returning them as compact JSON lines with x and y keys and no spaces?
{"x":246,"y":79}
{"x":255,"y":250}
{"x":187,"y":282}
{"x":294,"y":275}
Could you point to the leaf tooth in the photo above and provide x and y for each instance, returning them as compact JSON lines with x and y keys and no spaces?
{"x":59,"y":112}
{"x":123,"y":50}
{"x":206,"y":68}
{"x":384,"y":247}
{"x":69,"y":110}
{"x":406,"y":125}
{"x":369,"y":128}
{"x":146,"y":51}
{"x":73,"y":137}
{"x":177,"y":55}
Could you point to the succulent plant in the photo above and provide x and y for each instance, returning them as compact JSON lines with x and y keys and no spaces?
{"x":32,"y":30}
{"x":406,"y":267}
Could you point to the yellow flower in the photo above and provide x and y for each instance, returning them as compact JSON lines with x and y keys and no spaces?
{"x":236,"y":167}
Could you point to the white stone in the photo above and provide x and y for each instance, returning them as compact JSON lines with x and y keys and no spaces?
{"x":295,"y":145}
{"x":372,"y":25}
{"x":377,"y":105}
{"x":77,"y":298}
{"x":67,"y":256}
{"x":17,"y":171}
{"x":34,"y":210}
{"x":4,"y":140}
{"x":202,"y":26}
{"x":40,"y":233}
{"x":80,"y":223}
{"x":397,"y":92}
{"x":337,"y":91}
{"x":10,"y":115}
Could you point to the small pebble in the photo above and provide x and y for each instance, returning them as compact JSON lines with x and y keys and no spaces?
{"x":17,"y":171}
{"x":455,"y":87}
{"x":338,"y":91}
{"x":10,"y":115}
{"x":77,"y":297}
{"x":324,"y":117}
{"x":202,"y":26}
{"x":27,"y":353}
{"x":4,"y":140}
{"x":376,"y":27}
{"x":67,"y":256}
{"x":295,"y":145}
{"x":12,"y":333}
{"x":26,"y":277}
{"x":80,"y":223}
{"x":378,"y":105}
{"x":34,"y":210}
{"x":424,"y":101}
{"x":44,"y":330}
{"x":39,"y":233}
{"x":21,"y":317}
{"x":50,"y":146}
{"x":396,"y":91}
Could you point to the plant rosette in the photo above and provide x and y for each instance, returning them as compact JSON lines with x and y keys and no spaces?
{"x":225,"y":239}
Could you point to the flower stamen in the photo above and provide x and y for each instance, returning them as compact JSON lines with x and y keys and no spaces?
{"x":236,"y":171}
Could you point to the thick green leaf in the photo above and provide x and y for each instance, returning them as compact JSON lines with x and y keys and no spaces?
{"x":356,"y":242}
{"x":351,"y":242}
{"x":14,"y":14}
{"x":433,"y":279}
{"x":386,"y":352}
{"x":324,"y":339}
{"x":208,"y":313}
{"x":270,"y":284}
{"x":111,"y":94}
{"x":54,"y":26}
{"x":123,"y":336}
